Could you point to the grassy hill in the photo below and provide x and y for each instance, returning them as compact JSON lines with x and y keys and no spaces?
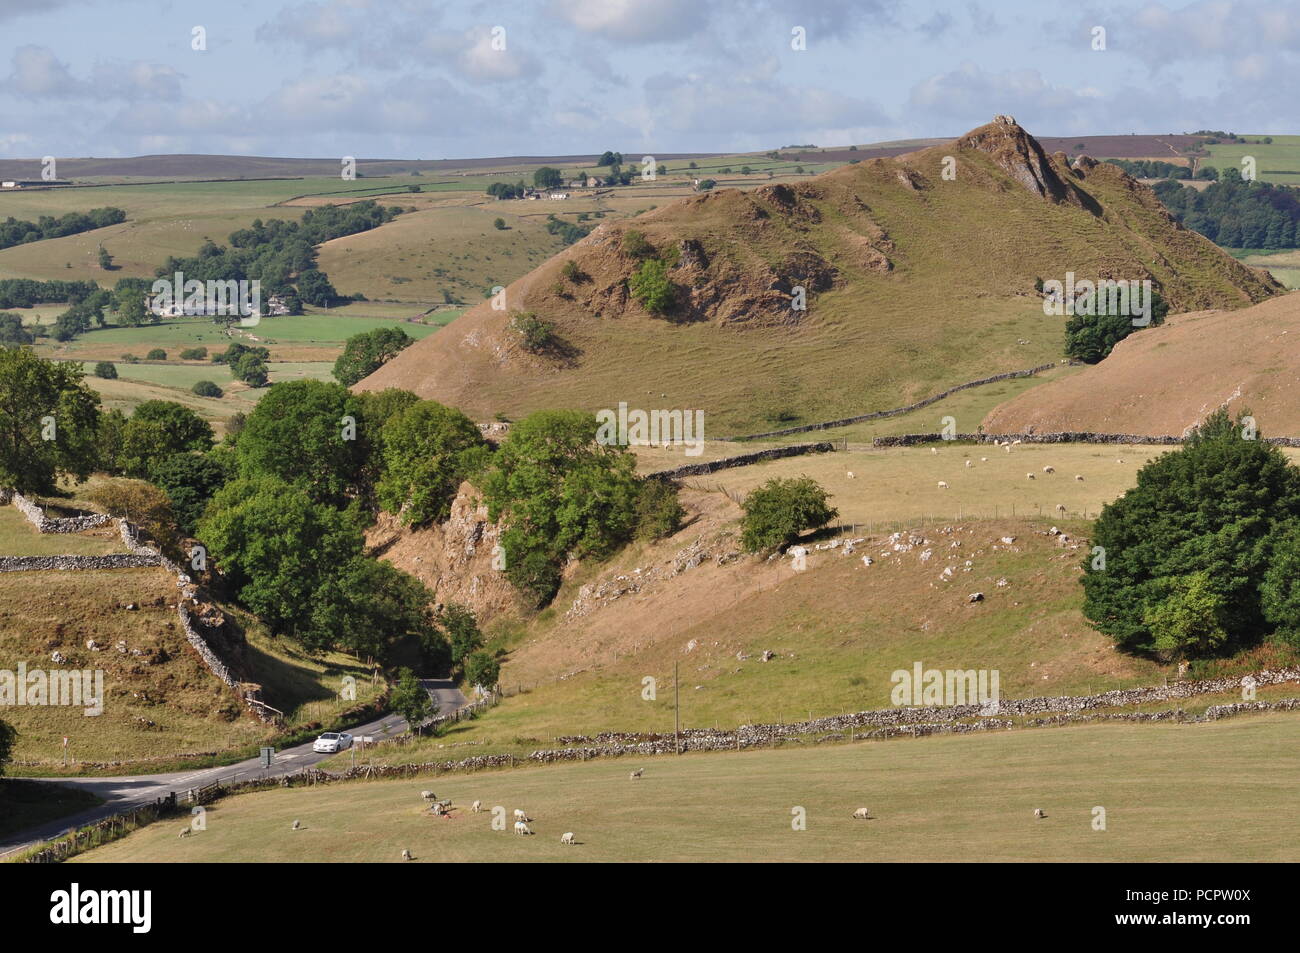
{"x":1166,"y":379}
{"x":1170,"y":793}
{"x":915,"y":283}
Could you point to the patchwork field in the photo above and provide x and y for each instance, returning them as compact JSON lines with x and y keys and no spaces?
{"x":1208,"y":792}
{"x":18,"y":537}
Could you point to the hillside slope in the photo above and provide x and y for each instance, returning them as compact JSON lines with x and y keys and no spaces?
{"x":915,"y":282}
{"x":1166,"y":379}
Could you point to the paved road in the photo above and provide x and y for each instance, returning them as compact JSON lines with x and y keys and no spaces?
{"x":123,"y":793}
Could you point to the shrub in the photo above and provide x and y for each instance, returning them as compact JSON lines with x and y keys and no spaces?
{"x":571,"y":271}
{"x":779,"y":510}
{"x":499,"y":224}
{"x":637,"y":245}
{"x":538,"y":335}
{"x":650,"y":286}
{"x":482,"y":669}
{"x":130,"y":359}
{"x":194,"y":354}
{"x":207,"y":389}
{"x":107,"y":370}
{"x":658,"y":511}
{"x":157,"y":354}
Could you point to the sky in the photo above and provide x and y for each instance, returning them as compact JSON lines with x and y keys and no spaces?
{"x":430,"y":80}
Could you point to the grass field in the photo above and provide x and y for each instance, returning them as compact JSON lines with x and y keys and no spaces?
{"x":18,"y":537}
{"x":896,"y":484}
{"x":1282,"y":265}
{"x":1209,"y":792}
{"x":1277,"y":162}
{"x":163,"y":703}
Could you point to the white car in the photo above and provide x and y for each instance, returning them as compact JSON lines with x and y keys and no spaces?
{"x":332,"y":741}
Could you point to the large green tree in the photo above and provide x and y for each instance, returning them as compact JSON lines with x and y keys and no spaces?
{"x":307,"y":433}
{"x":190,"y":480}
{"x":559,"y":493}
{"x":369,"y":607}
{"x":276,"y":547}
{"x":365,"y":353}
{"x":427,"y":450}
{"x":156,"y":430}
{"x":1186,"y":552}
{"x":49,"y":422}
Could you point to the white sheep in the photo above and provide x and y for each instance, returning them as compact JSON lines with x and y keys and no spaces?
{"x":1079,"y":477}
{"x":861,"y":814}
{"x":522,"y":828}
{"x":1038,"y":812}
{"x":1060,"y":509}
{"x":984,"y":459}
{"x":297,"y":826}
{"x":934,"y":450}
{"x":428,"y":795}
{"x":1006,"y":447}
{"x":476,"y":807}
{"x":636,"y":774}
{"x":1049,"y":469}
{"x":567,"y":837}
{"x":186,"y":831}
{"x":1029,"y":476}
{"x":969,"y":464}
{"x":850,"y":474}
{"x":521,"y":816}
{"x":1014,"y":442}
{"x":942,"y":485}
{"x":406,"y":854}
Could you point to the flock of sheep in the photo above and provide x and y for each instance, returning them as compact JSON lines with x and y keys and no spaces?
{"x":1006,"y":445}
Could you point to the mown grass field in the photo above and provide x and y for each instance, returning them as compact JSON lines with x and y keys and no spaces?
{"x":1208,"y":792}
{"x":1282,"y":265}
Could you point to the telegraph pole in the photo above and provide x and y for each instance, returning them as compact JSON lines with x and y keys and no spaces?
{"x":677,"y":712}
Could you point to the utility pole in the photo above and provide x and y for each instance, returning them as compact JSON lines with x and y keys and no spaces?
{"x":677,"y":712}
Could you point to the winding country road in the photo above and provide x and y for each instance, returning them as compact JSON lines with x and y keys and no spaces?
{"x":129,"y":791}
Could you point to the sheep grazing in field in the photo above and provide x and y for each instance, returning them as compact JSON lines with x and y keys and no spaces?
{"x":1049,"y":469}
{"x":1079,"y":477}
{"x":1029,"y":476}
{"x":942,"y":485}
{"x":984,"y":459}
{"x":406,"y":854}
{"x":567,"y":838}
{"x":186,"y":831}
{"x":934,"y":450}
{"x":1006,"y":447}
{"x":636,"y":774}
{"x":297,"y":825}
{"x":861,"y":814}
{"x":1060,"y":509}
{"x":1119,"y":461}
{"x":476,"y":807}
{"x":522,"y":828}
{"x":521,"y":815}
{"x":428,"y":795}
{"x":1038,"y":813}
{"x":850,"y":474}
{"x":1014,"y":442}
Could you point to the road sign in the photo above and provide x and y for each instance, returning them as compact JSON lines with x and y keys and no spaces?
{"x":267,"y":755}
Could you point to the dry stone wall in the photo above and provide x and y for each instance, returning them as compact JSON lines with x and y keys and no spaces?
{"x":140,"y":555}
{"x":881,"y":414}
{"x":743,"y":460}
